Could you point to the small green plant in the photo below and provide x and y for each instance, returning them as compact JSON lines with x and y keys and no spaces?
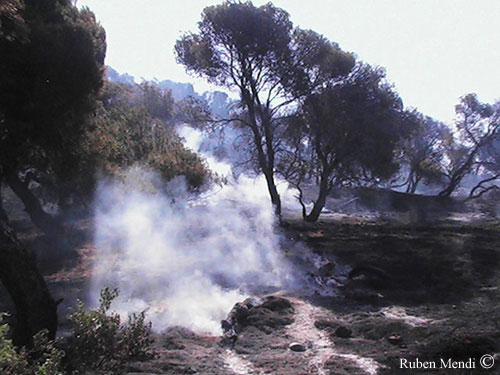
{"x":43,"y":359}
{"x":100,"y":343}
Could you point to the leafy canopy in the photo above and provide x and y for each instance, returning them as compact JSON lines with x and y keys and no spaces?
{"x":234,"y":38}
{"x":52,"y":64}
{"x":355,"y":125}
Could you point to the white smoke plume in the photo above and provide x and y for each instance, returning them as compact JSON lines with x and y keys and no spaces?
{"x":186,"y":260}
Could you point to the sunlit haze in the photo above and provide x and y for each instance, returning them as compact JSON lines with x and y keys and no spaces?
{"x":433,"y":51}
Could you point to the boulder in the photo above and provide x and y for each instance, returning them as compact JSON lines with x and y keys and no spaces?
{"x":343,"y":332}
{"x":297,"y":347}
{"x":325,"y":324}
{"x":267,"y":315}
{"x":395,"y":339}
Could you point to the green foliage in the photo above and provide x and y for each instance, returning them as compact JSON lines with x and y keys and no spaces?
{"x":422,"y":151}
{"x":99,"y":341}
{"x":52,"y":67}
{"x":125,"y":133}
{"x":256,"y":51}
{"x":475,"y":149}
{"x":48,"y":76}
{"x":43,"y":359}
{"x":159,"y":103}
{"x":316,"y":62}
{"x":355,"y":125}
{"x":233,"y":34}
{"x":194,"y":112}
{"x":344,"y":133}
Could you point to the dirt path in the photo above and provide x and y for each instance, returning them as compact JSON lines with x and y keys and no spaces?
{"x":322,"y":348}
{"x":238,"y":364}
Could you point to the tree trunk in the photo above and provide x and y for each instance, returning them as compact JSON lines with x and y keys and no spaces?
{"x":450,"y":188}
{"x":47,"y":223}
{"x":3,"y":214}
{"x":460,"y":173}
{"x":266,"y":158}
{"x":320,"y":202}
{"x":273,"y":191}
{"x":417,"y":180}
{"x":35,"y":308}
{"x":413,"y":183}
{"x":410,"y":182}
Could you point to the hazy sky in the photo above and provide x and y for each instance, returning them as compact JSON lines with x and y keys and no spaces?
{"x":434,"y":51}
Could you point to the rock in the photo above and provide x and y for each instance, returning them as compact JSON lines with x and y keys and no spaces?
{"x":297,"y":347}
{"x":239,"y":313}
{"x":395,"y":339}
{"x":252,"y":301}
{"x":267,"y":314}
{"x":325,"y":324}
{"x":226,"y":325}
{"x":235,"y":319}
{"x":274,"y":303}
{"x":343,"y":332}
{"x":267,"y":320}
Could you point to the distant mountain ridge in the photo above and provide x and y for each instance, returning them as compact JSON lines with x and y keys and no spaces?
{"x":218,"y":102}
{"x":179,"y":90}
{"x":113,"y":76}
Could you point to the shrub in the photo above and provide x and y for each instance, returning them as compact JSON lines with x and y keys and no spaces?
{"x":99,"y":342}
{"x":124,"y":133}
{"x":43,"y":359}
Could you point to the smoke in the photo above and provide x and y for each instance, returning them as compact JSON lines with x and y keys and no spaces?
{"x":187,"y":259}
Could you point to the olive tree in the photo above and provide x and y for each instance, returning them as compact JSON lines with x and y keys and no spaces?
{"x":256,"y":51}
{"x":474,"y":151}
{"x":345,"y":134}
{"x":421,"y":154}
{"x":52,"y":56}
{"x":52,"y":65}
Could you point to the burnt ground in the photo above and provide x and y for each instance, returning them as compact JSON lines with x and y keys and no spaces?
{"x":429,"y":291}
{"x":417,"y":291}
